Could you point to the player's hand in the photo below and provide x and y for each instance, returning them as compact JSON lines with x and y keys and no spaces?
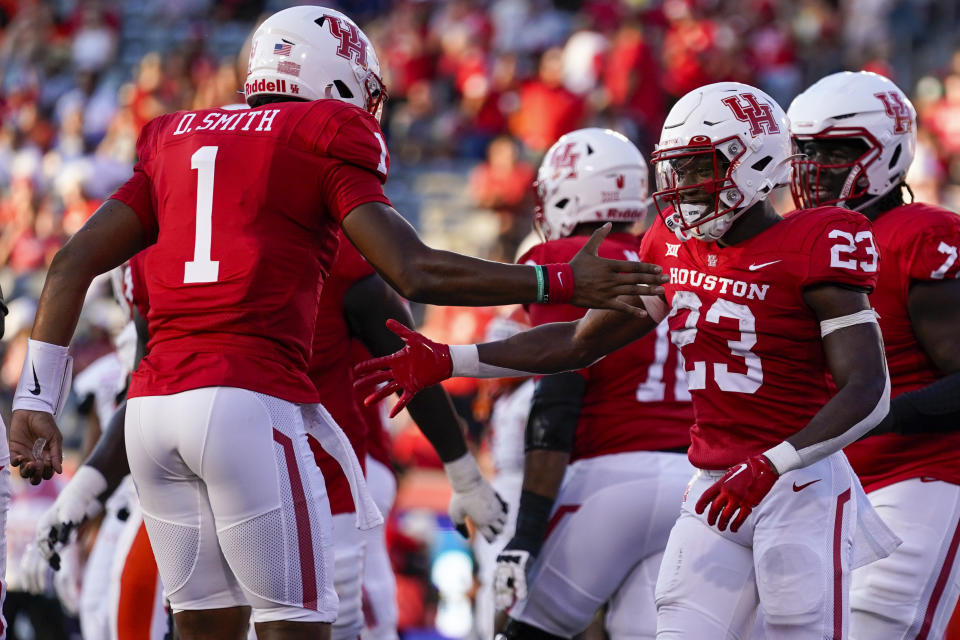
{"x":35,"y":445}
{"x":66,"y":583}
{"x":510,"y":577}
{"x":473,"y":497}
{"x":75,"y":504}
{"x":599,"y":282}
{"x":420,"y":364}
{"x":483,"y":505}
{"x":740,"y":490}
{"x":35,"y":573}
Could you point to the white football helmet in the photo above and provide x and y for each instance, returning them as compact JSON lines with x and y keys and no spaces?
{"x":724,"y":147}
{"x":852,"y":106}
{"x":590,"y":175}
{"x":314,"y":53}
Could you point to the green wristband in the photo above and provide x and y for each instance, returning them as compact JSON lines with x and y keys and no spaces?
{"x":541,"y":284}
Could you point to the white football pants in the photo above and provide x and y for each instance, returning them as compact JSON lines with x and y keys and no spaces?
{"x":379,"y":583}
{"x":793,"y":555}
{"x":234,"y":504}
{"x":607,"y":532}
{"x":912,"y":592}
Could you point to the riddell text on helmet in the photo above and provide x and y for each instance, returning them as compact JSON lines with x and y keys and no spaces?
{"x":267,"y":86}
{"x":613,"y":213}
{"x":738,"y":288}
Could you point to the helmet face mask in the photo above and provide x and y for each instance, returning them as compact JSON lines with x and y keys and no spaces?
{"x":723,"y":148}
{"x":832,"y":167}
{"x":851,"y":108}
{"x":694,"y":186}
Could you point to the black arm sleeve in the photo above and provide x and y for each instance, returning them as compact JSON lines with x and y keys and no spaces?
{"x":109,"y":456}
{"x":934,"y":408}
{"x":367,"y":305}
{"x":555,"y":412}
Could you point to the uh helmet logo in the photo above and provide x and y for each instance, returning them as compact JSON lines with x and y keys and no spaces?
{"x":352,"y":46}
{"x":755,"y":113}
{"x":896,"y":109}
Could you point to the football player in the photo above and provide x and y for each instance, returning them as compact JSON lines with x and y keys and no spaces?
{"x":857,"y":133}
{"x":353,"y":296}
{"x":355,"y":303}
{"x":241,"y":208}
{"x":507,"y":403}
{"x":622,"y":425}
{"x":380,"y":613}
{"x":762,"y":308}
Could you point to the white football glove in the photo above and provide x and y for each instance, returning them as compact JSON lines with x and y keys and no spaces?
{"x":510,"y":578}
{"x":66,"y":581}
{"x":77,"y":502}
{"x":36,"y":576}
{"x":473,"y":497}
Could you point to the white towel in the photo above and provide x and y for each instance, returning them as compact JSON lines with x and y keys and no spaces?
{"x":321,"y":425}
{"x":872,"y":540}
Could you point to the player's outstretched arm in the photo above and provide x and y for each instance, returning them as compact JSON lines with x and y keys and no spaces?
{"x":368,"y":305}
{"x":432,"y":276}
{"x":549,"y":348}
{"x":110,"y":237}
{"x":935,"y":317}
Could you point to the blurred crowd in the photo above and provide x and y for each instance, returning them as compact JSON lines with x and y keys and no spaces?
{"x":484,"y":86}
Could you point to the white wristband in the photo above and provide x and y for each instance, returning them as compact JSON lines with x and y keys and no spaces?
{"x":84,"y":488}
{"x":465,"y":360}
{"x":783,"y":458}
{"x":45,"y":379}
{"x":463,"y":473}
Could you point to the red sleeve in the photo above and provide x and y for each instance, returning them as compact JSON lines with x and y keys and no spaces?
{"x":137,"y":192}
{"x":931,"y":254}
{"x":350,"y":265}
{"x":843,"y":251}
{"x":347,"y":186}
{"x":544,"y":313}
{"x":352,"y":135}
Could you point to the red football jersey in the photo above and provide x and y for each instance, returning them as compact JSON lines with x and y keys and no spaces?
{"x":754,"y":360}
{"x":919,"y":243}
{"x":636,"y":398}
{"x":245,"y":206}
{"x":331,"y":370}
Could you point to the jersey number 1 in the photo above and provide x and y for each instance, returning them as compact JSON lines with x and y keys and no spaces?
{"x":202,"y":268}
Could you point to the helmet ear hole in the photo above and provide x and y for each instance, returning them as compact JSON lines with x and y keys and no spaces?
{"x":343,"y":89}
{"x":562,"y":203}
{"x":895,"y":156}
{"x":762,"y":163}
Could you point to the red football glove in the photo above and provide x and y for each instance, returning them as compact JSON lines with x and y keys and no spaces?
{"x":420,"y":364}
{"x":741,"y":487}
